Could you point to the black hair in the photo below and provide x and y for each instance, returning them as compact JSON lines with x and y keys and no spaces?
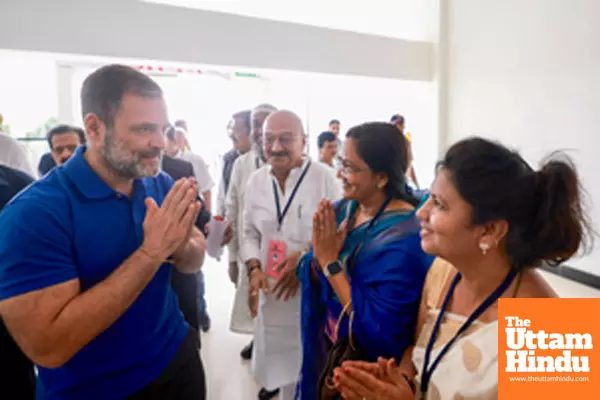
{"x":180,"y":123}
{"x":544,"y":210}
{"x":397,"y":119}
{"x":325,"y":137}
{"x":334,"y":121}
{"x":64,"y":128}
{"x":170,"y":133}
{"x":103,"y":90}
{"x":245,"y":116}
{"x":384,"y":150}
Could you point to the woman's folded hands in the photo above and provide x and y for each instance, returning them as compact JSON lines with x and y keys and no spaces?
{"x":383,"y":380}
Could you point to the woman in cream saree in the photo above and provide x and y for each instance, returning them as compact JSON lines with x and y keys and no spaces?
{"x":469,"y":371}
{"x":493,"y":218}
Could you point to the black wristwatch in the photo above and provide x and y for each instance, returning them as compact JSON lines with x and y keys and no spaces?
{"x":332,"y":269}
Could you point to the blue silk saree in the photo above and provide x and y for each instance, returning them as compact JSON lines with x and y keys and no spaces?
{"x":386,"y":279}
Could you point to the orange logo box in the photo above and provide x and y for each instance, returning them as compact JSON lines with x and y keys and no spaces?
{"x":548,"y":349}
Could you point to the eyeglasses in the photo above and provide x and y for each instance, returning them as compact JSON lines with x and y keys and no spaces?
{"x":284,"y":140}
{"x":347,"y":168}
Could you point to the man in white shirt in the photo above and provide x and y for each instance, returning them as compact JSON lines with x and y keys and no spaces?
{"x":14,"y":155}
{"x":177,"y":147}
{"x":238,"y":131}
{"x":244,"y":166}
{"x":328,"y":148}
{"x":334,"y":126}
{"x":281,"y":199}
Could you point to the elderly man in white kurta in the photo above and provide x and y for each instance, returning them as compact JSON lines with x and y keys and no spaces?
{"x":281,"y":199}
{"x":243,"y":168}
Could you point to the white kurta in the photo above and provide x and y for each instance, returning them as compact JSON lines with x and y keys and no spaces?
{"x":243,"y":168}
{"x":201,"y":173}
{"x":277,"y":353}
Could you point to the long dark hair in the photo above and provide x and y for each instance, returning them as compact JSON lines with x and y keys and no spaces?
{"x":546,"y":218}
{"x":383,"y":148}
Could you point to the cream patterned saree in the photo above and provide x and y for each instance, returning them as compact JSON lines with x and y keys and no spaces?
{"x":469,"y":371}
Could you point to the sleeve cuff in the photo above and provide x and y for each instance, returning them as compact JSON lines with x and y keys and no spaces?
{"x":250,"y":252}
{"x":206,"y":187}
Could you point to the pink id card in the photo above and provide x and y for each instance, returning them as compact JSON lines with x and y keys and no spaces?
{"x":275,"y":256}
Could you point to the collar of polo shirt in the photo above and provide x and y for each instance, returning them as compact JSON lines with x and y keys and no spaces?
{"x":87,"y":182}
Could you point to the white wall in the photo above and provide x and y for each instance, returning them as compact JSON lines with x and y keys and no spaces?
{"x":28,"y":88}
{"x":528,"y":73}
{"x":131,"y":28}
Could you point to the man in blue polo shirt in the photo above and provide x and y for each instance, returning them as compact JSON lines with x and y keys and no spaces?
{"x":86,"y":255}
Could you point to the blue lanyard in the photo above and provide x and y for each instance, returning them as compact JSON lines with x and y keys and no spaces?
{"x":427,"y":373}
{"x":281,"y":215}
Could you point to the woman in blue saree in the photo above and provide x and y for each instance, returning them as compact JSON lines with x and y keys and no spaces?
{"x":366,"y":265}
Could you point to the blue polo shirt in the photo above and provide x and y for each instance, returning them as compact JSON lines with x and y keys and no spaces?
{"x":71,"y":225}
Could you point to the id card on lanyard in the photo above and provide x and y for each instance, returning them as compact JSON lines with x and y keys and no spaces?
{"x":276,"y":253}
{"x":277,"y":247}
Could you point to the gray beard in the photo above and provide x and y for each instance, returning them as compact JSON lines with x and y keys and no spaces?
{"x":126,"y":169}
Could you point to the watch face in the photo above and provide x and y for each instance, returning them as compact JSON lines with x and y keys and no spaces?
{"x":334,"y":268}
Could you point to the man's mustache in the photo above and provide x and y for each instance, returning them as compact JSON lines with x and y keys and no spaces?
{"x":151,"y":153}
{"x":279,"y":154}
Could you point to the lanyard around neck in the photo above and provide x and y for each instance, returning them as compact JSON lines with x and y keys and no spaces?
{"x":427,"y":373}
{"x":281,"y":214}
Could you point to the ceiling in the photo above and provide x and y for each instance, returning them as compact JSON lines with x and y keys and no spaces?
{"x":401,"y":19}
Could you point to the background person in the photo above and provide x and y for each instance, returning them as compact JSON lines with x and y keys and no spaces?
{"x":400,"y":122}
{"x":186,"y":285}
{"x":238,"y":131}
{"x":14,"y":155}
{"x":243,"y":168}
{"x":17,"y":376}
{"x":334,"y":126}
{"x":63,"y":140}
{"x":328,"y":148}
{"x":177,"y":147}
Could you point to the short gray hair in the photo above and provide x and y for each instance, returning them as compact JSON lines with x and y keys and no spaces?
{"x":104,"y":89}
{"x":264,"y":107}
